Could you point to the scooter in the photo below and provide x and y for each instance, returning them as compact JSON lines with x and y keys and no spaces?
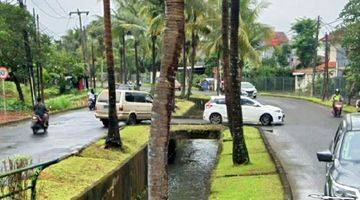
{"x":337,"y":110}
{"x":39,"y":123}
{"x":91,"y":104}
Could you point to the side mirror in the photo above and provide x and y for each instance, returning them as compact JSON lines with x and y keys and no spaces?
{"x":325,"y":156}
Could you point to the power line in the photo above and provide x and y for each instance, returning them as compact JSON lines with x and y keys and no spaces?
{"x":47,"y":14}
{"x":59,"y":4}
{"x":55,"y":11}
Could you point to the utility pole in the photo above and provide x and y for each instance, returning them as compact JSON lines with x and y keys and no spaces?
{"x":82,"y":39}
{"x":41,"y":75}
{"x":315,"y":56}
{"x":93,"y":71}
{"x":326,"y":68}
{"x":29,"y":59}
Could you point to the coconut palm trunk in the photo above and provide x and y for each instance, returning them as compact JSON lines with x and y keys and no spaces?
{"x":233,"y":81}
{"x":183,"y":81}
{"x":192,"y":59}
{"x":113,"y":137}
{"x":153,"y":54}
{"x":137,"y":65}
{"x":164,"y":95}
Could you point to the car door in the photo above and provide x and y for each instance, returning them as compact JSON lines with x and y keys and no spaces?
{"x":220,"y":107}
{"x":248,"y":109}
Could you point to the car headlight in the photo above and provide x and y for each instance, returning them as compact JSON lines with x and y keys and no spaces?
{"x":344,"y":191}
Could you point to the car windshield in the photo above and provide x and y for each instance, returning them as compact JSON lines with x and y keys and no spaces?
{"x":350,"y":150}
{"x":246,"y":85}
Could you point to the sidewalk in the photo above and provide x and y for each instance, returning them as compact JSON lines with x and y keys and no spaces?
{"x":13,"y":116}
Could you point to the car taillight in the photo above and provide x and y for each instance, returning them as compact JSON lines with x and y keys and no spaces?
{"x":208,"y":105}
{"x":121,"y":108}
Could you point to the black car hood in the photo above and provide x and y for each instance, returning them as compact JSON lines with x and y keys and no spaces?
{"x":347,"y":173}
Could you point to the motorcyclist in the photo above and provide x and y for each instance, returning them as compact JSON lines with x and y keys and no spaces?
{"x":336,"y":98}
{"x":41,"y":111}
{"x":92,"y":99}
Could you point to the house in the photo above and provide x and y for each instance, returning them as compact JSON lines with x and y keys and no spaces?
{"x":337,"y":53}
{"x":303,"y":77}
{"x":278,"y":39}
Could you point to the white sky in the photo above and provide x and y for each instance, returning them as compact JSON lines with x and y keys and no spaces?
{"x":280,"y":14}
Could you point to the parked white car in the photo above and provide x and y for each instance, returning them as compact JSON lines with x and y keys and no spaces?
{"x":132,"y":106}
{"x":248,"y":89}
{"x":253,"y":112}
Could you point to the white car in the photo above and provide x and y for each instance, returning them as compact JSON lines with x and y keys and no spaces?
{"x":248,"y":89}
{"x":253,"y":112}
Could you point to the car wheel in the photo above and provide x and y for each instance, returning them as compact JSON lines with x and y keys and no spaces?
{"x":215,"y":118}
{"x":105,"y":122}
{"x":132,"y":120}
{"x":266,"y":120}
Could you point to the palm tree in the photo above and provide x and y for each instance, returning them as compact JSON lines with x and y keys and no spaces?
{"x":240,"y":153}
{"x":164,"y":96}
{"x":113,"y":137}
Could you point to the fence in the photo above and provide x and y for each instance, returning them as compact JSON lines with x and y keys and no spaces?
{"x":273,"y":84}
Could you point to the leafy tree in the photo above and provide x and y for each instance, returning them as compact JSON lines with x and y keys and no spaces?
{"x":351,"y":17}
{"x":305,"y":40}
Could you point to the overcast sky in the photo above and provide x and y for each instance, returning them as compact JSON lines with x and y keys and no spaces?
{"x":55,"y":20}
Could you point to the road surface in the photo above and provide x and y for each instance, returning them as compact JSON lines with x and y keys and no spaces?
{"x":308,"y":128}
{"x":68,"y":132}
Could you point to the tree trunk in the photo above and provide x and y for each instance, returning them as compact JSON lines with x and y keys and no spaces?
{"x":233,"y":84}
{"x":153,"y":63}
{"x":192,"y":60}
{"x":123,"y":59}
{"x":137,"y":65}
{"x":113,"y":137}
{"x":183,"y":81}
{"x":14,"y":79}
{"x":164,"y":95}
{"x":218,"y":76}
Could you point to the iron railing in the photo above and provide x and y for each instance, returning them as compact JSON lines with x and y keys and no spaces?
{"x":33,"y":179}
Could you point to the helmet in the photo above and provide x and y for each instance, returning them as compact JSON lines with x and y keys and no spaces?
{"x":337,"y":91}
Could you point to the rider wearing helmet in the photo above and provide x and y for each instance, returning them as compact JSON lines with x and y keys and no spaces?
{"x":336,"y":97}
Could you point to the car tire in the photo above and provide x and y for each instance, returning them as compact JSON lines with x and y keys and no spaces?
{"x":105,"y":122}
{"x":266,"y":120}
{"x":215,"y":118}
{"x":132,"y":120}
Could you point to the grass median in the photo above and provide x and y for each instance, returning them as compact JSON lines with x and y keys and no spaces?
{"x":256,"y":180}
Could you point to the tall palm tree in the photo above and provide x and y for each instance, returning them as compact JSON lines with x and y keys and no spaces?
{"x":164,"y":96}
{"x":113,"y":137}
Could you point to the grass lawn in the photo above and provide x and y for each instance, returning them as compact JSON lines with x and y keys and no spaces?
{"x":347,"y":108}
{"x":256,"y":180}
{"x":189,"y":108}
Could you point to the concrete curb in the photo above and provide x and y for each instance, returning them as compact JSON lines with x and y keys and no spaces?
{"x":279,"y":168}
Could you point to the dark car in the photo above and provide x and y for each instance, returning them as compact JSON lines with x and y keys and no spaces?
{"x":343,"y":160}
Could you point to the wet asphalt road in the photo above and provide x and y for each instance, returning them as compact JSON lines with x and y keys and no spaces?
{"x":68,"y":132}
{"x":308,"y":128}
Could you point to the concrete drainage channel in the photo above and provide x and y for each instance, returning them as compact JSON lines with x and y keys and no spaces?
{"x":190,"y":171}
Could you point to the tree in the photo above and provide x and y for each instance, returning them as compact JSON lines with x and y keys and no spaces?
{"x":305,"y":40}
{"x":164,"y":96}
{"x":233,"y":88}
{"x":113,"y":136}
{"x":351,"y":41}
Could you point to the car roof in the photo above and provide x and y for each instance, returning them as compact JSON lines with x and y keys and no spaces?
{"x":353,"y":122}
{"x":223,"y":97}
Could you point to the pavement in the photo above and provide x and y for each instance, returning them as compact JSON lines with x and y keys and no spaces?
{"x":308,"y":128}
{"x":67,"y":133}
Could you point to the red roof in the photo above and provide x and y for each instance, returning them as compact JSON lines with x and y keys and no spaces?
{"x":320,"y":68}
{"x":278,"y":39}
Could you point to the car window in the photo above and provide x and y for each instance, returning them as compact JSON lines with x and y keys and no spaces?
{"x":350,"y":150}
{"x":337,"y":137}
{"x":149,"y":98}
{"x":104,"y":97}
{"x":247,"y":102}
{"x":220,"y":101}
{"x":246,"y":85}
{"x":129,"y":97}
{"x":139,"y":97}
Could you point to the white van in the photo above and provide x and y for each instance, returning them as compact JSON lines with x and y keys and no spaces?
{"x":132,"y":106}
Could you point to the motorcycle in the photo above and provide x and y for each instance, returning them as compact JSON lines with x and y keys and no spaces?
{"x":39,"y":123}
{"x":91,"y":104}
{"x":338,"y":106}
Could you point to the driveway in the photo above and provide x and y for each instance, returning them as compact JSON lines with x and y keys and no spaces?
{"x":68,"y":132}
{"x":308,"y":128}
